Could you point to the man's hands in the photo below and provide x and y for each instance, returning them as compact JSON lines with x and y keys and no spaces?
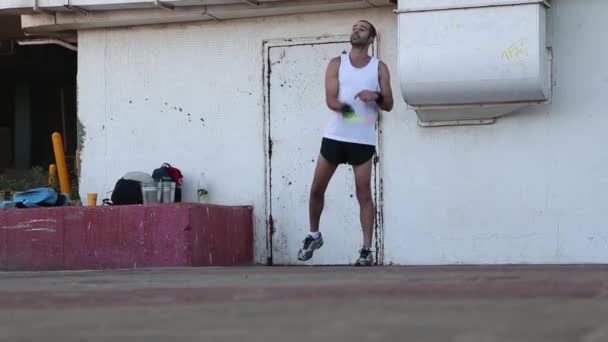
{"x":347,"y":111}
{"x":368,"y":96}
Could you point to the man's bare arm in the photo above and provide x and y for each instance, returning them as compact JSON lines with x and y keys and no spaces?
{"x":332,"y":85}
{"x":384,"y":98}
{"x":385,"y":88}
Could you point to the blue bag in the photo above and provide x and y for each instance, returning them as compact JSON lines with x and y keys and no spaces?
{"x":37,"y":197}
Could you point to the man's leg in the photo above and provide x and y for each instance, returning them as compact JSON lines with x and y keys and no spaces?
{"x":363,"y":175}
{"x":323,"y":173}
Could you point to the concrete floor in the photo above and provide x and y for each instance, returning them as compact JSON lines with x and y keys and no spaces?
{"x":460,"y":304}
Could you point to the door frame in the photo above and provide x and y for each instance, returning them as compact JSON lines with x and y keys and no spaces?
{"x":267,"y":137}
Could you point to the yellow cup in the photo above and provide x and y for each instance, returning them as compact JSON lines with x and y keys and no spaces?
{"x":91,"y":199}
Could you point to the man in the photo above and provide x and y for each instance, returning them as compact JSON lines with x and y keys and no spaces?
{"x":357,"y":86}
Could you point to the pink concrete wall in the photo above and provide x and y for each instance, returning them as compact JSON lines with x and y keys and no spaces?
{"x":105,"y":237}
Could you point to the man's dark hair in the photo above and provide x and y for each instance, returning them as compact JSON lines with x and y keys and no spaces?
{"x":372,"y":29}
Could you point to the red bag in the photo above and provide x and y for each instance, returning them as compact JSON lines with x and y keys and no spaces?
{"x":168,"y":172}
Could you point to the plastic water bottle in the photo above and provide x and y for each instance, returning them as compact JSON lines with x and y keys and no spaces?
{"x":202,"y":189}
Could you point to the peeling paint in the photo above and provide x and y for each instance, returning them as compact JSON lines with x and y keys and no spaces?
{"x":271,"y":232}
{"x":80,"y":134}
{"x":28,"y":224}
{"x":50,"y":230}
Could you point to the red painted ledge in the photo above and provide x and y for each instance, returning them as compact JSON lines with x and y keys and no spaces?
{"x":131,"y":236}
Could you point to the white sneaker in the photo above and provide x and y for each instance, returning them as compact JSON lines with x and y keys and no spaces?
{"x":310,"y":244}
{"x":366,"y":258}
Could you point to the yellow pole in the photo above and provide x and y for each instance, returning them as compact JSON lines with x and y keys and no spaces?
{"x":64,"y":180}
{"x":52,"y":175}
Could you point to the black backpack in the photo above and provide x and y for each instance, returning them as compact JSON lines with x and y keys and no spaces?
{"x":126,"y":191}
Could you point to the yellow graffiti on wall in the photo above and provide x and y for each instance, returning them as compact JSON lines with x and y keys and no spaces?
{"x":517,"y":49}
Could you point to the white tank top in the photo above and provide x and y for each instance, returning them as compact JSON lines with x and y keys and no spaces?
{"x":360,"y":128}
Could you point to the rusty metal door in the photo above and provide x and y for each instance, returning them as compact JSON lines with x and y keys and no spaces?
{"x":296,"y":117}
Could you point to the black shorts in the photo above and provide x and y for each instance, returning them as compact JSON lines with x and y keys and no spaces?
{"x":340,"y":152}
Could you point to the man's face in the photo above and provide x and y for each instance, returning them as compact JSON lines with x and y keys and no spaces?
{"x":360,"y":34}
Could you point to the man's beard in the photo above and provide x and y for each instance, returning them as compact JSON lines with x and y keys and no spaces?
{"x":357,"y":43}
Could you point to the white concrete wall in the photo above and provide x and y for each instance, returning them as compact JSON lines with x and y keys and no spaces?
{"x":212,"y":71}
{"x":532,"y":188}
